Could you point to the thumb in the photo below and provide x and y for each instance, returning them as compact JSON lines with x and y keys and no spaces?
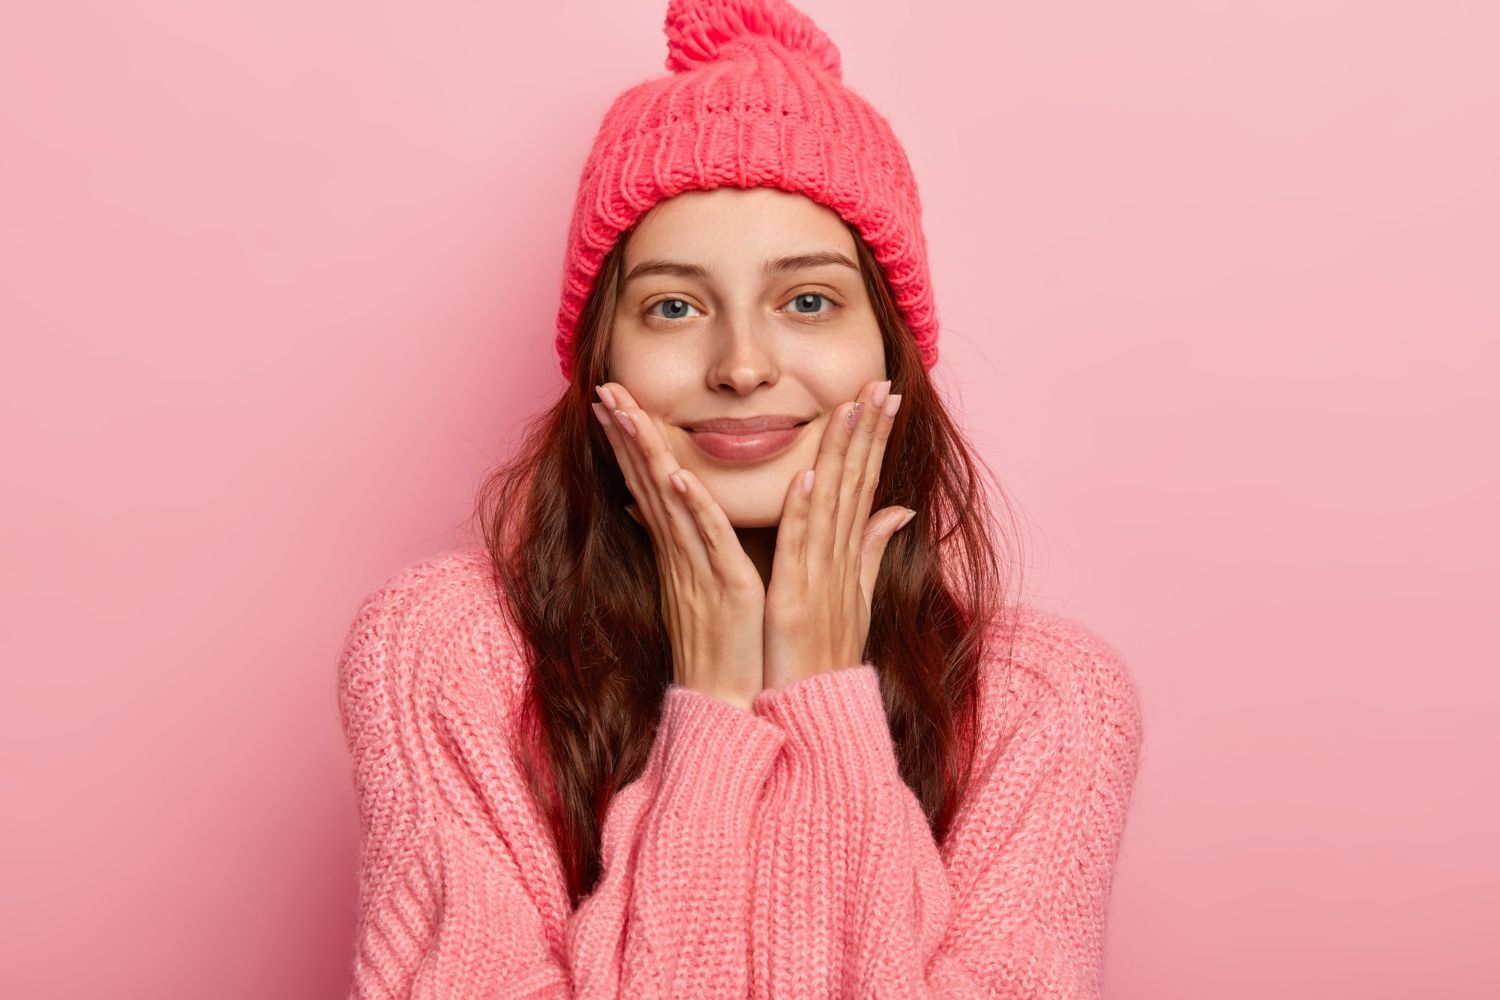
{"x":878,"y":532}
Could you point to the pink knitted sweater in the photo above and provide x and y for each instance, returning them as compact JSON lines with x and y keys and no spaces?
{"x":773,"y":853}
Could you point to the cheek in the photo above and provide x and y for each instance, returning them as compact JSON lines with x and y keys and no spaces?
{"x":805,"y":454}
{"x":839,"y":377}
{"x":657,"y":383}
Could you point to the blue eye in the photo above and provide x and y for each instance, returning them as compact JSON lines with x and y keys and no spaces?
{"x":675,"y":313}
{"x":814,"y":296}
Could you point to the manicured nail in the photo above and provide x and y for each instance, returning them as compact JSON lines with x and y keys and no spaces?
{"x":892,"y":405}
{"x":807,"y":481}
{"x":598,"y":409}
{"x":606,"y":395}
{"x":853,"y":417}
{"x":677,"y":482}
{"x":906,"y":520}
{"x":625,"y":422}
{"x":881,"y":391}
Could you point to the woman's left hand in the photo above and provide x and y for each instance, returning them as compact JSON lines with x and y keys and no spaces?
{"x":829,"y":547}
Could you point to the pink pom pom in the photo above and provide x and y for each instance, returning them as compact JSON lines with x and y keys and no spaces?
{"x":698,"y":30}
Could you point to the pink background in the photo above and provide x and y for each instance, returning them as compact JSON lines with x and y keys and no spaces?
{"x":1218,"y":285}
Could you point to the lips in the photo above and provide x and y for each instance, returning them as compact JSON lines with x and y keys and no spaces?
{"x":750,"y":439}
{"x":747,"y":425}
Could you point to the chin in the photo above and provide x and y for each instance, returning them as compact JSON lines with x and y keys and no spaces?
{"x":751,"y":512}
{"x":757,"y":519}
{"x":748,"y":504}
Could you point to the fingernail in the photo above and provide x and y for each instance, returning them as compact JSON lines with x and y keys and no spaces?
{"x":598,"y":409}
{"x":807,"y":481}
{"x":853,"y":416}
{"x":678,"y":483}
{"x":881,"y":391}
{"x":606,"y":395}
{"x":892,"y":405}
{"x":625,"y":422}
{"x":906,"y":520}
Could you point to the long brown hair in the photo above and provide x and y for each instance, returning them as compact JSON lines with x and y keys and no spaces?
{"x":581,"y":582}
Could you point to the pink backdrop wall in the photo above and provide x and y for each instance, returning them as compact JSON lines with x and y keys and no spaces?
{"x":1218,"y":282}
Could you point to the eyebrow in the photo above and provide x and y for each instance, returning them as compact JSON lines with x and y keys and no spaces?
{"x":780,"y":265}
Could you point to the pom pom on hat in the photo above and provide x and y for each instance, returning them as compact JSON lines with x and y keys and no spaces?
{"x":700,"y":31}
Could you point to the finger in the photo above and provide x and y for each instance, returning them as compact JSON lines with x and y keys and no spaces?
{"x":659,"y":465}
{"x":647,"y":509}
{"x":856,"y":474}
{"x":873,"y":465}
{"x":625,"y":456}
{"x":791,"y":532}
{"x":883,"y":527}
{"x":616,"y":437}
{"x":726,"y":557}
{"x":658,"y":468}
{"x":653,"y":499}
{"x":822,"y":514}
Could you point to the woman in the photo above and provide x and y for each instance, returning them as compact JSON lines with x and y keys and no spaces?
{"x":696,"y":722}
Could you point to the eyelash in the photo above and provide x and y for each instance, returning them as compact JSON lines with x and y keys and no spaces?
{"x":816,"y":317}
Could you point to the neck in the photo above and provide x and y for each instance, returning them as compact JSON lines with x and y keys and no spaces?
{"x":760,"y":545}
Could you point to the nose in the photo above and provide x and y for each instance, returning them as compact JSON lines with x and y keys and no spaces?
{"x":744,"y":357}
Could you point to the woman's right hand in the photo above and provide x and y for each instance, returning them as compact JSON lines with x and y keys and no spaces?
{"x":712,"y":598}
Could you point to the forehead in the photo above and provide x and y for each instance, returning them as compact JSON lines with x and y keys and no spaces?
{"x":736,"y":228}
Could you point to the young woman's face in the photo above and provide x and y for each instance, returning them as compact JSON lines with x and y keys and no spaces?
{"x":720,"y":317}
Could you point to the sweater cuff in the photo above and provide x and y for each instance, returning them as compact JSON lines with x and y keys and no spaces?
{"x":715,"y":760}
{"x":836,"y":718}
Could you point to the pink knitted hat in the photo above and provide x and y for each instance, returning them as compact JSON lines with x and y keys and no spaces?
{"x":755,"y":99}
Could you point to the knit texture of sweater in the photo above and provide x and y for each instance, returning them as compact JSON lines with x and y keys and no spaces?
{"x":772,"y":853}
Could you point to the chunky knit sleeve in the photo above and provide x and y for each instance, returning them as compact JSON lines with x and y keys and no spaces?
{"x":460,"y":890}
{"x":854,"y":897}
